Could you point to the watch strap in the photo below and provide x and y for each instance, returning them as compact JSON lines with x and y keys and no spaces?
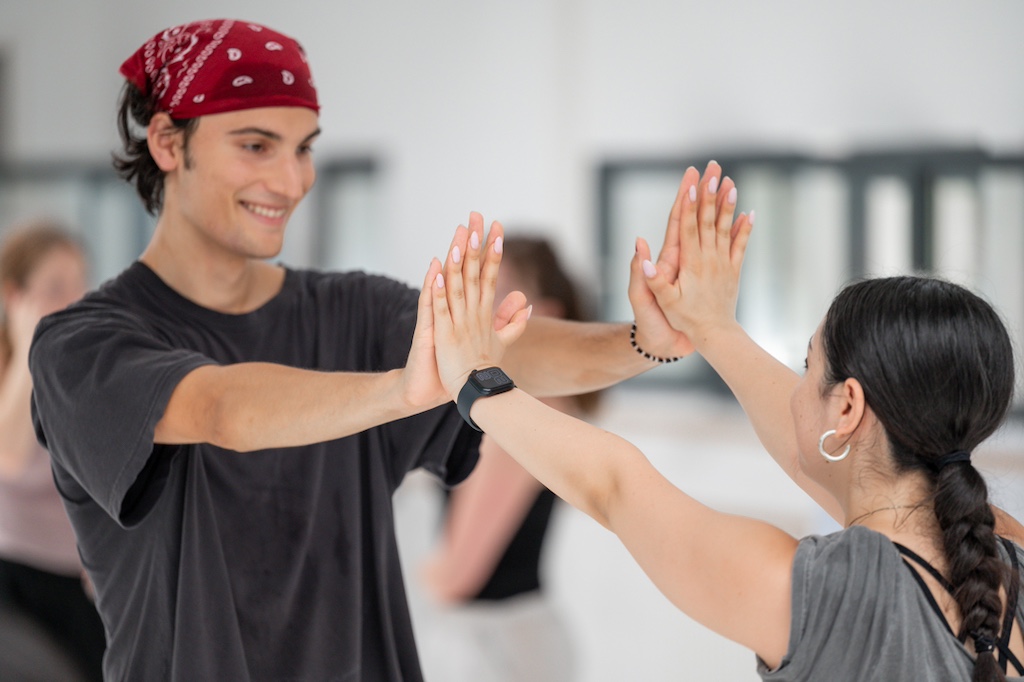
{"x":474,"y":389}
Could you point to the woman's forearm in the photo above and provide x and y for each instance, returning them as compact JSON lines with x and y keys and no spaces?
{"x":763,"y":387}
{"x":19,"y":438}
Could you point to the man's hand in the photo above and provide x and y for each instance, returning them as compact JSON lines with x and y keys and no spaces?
{"x":421,"y":384}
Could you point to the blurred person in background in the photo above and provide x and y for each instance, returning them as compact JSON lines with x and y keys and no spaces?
{"x":494,"y":623}
{"x":42,"y":270}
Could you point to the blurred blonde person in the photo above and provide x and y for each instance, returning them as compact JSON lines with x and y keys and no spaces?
{"x":494,"y":623}
{"x":42,"y":270}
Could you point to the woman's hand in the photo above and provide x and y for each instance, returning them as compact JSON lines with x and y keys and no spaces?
{"x":696,"y":287}
{"x":23,"y":314}
{"x":468,"y":334}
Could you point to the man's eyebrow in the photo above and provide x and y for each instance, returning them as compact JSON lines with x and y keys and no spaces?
{"x":256,"y":131}
{"x":270,"y":134}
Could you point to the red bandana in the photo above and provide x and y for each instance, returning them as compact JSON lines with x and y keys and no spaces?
{"x":219,"y":65}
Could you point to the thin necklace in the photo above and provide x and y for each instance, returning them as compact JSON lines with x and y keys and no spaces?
{"x":898,"y":506}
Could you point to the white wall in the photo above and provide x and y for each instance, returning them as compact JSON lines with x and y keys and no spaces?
{"x":505,"y":107}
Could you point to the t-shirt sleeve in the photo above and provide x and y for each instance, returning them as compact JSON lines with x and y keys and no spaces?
{"x":438,"y":440}
{"x":101,"y":382}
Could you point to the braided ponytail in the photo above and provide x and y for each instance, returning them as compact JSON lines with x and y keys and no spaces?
{"x":936,"y":365}
{"x":974,"y":565}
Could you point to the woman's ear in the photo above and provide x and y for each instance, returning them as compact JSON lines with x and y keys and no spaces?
{"x":851,"y":406}
{"x":165,"y":142}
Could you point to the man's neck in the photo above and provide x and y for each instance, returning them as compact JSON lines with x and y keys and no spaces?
{"x":226,"y":283}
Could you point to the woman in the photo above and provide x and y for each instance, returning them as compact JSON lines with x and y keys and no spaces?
{"x":905,"y":377}
{"x":42,"y":270}
{"x":485,"y":571}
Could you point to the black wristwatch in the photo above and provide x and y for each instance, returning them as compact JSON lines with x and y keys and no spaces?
{"x":482,"y":383}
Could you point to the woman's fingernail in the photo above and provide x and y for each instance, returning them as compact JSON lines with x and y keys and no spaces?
{"x":456,"y":256}
{"x":474,"y":241}
{"x":649,"y":268}
{"x":529,"y":312}
{"x":713,"y":185}
{"x":439,"y":281}
{"x":732,"y":196}
{"x":693,"y":192}
{"x":499,"y":244}
{"x":751,"y":217}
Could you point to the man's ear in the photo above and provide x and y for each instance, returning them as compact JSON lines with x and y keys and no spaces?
{"x":851,"y":407}
{"x":165,"y":142}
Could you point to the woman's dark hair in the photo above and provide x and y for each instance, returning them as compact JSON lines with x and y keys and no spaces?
{"x":136,"y":164}
{"x":936,"y":365}
{"x":535,"y":261}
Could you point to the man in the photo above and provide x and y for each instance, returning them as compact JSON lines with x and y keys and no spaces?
{"x":227,"y":433}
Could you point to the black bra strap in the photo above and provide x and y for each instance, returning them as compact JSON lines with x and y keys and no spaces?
{"x":1003,"y":645}
{"x":1012,"y":595}
{"x":924,"y":587}
{"x":907,"y":552}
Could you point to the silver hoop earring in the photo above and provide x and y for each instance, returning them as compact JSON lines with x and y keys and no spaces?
{"x":831,"y":458}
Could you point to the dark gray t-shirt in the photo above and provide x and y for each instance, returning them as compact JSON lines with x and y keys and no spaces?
{"x":860,"y":616}
{"x":214,"y":565}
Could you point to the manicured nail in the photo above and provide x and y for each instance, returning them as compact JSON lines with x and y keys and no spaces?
{"x":499,"y":244}
{"x":751,"y":217}
{"x":529,"y":312}
{"x":649,"y":268}
{"x":439,"y":281}
{"x":474,"y":241}
{"x":713,"y":185}
{"x":732,"y":196}
{"x":456,"y":256}
{"x":693,"y":192}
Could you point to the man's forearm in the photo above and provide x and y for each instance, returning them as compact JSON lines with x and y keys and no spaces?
{"x":559,"y":357}
{"x":254,"y":406}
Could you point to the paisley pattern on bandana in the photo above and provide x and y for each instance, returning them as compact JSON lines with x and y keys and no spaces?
{"x":220,"y":65}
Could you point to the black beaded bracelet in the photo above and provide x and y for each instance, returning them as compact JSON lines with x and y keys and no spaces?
{"x":641,"y":351}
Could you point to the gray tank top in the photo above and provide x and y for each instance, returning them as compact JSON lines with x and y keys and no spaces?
{"x":859,"y":615}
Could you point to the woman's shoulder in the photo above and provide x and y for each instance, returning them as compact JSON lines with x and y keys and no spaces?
{"x":855,"y":540}
{"x":850,"y":560}
{"x":1008,"y":527}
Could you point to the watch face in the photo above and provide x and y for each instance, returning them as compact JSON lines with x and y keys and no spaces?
{"x":491,"y":378}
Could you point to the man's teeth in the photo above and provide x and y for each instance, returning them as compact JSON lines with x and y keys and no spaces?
{"x":266,"y":212}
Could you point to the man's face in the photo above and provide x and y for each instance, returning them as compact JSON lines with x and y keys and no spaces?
{"x":246,"y":172}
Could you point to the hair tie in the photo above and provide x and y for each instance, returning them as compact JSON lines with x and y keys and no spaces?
{"x":983,"y":644}
{"x":952,"y":458}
